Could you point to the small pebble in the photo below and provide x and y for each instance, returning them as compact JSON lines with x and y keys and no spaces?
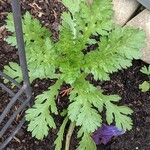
{"x":148,"y":119}
{"x":138,"y":129}
{"x":36,"y":85}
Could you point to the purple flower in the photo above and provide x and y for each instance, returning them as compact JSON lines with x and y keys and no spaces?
{"x":105,"y":133}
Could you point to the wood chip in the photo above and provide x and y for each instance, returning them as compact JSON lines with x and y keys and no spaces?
{"x":2,"y":32}
{"x":16,"y":139}
{"x":35,"y":6}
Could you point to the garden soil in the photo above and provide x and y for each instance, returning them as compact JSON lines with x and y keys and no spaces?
{"x":124,"y":83}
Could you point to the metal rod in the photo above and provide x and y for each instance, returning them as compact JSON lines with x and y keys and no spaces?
{"x":20,"y":42}
{"x":10,"y":104}
{"x":10,"y":79}
{"x":11,"y":93}
{"x":13,"y":117}
{"x":2,"y":146}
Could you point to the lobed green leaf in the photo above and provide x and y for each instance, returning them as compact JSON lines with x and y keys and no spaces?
{"x":60,"y":135}
{"x":39,"y":116}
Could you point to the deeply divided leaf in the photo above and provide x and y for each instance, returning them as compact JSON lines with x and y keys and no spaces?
{"x":86,"y":143}
{"x":60,"y":135}
{"x":40,"y":114}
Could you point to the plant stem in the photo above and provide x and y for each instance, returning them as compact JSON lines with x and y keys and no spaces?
{"x":89,"y":2}
{"x":69,"y":135}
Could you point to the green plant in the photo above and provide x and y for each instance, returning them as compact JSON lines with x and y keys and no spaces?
{"x":145,"y":86}
{"x":116,"y":49}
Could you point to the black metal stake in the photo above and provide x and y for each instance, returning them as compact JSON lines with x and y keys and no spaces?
{"x":20,"y":42}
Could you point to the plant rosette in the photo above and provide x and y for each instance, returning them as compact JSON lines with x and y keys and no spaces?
{"x":115,"y":50}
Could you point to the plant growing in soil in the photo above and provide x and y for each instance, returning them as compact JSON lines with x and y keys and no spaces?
{"x":114,"y":50}
{"x":145,"y":86}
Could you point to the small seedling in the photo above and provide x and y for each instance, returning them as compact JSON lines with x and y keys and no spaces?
{"x":145,"y":86}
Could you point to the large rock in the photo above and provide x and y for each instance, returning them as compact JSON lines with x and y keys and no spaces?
{"x":124,"y":10}
{"x":142,"y":21}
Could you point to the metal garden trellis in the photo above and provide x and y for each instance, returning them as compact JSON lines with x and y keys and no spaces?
{"x":24,"y":89}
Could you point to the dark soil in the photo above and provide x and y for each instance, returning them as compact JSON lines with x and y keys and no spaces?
{"x":125,"y":83}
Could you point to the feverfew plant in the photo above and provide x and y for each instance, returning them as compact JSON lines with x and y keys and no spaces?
{"x":145,"y":86}
{"x":116,"y":49}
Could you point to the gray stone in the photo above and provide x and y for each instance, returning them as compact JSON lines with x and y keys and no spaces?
{"x":145,"y":3}
{"x":124,"y":10}
{"x":142,"y":21}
